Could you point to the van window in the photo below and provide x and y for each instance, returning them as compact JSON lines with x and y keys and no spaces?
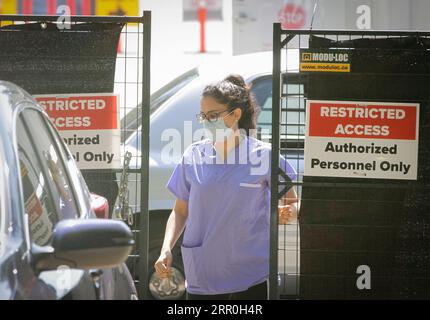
{"x":292,"y":113}
{"x":131,"y":121}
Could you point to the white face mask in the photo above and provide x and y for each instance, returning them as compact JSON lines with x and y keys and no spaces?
{"x":217,"y":130}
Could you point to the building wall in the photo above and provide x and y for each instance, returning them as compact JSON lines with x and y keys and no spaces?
{"x":253,"y":19}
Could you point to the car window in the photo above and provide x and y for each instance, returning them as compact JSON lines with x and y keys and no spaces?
{"x":48,"y":197}
{"x":131,"y":121}
{"x":161,"y":95}
{"x":78,"y":183}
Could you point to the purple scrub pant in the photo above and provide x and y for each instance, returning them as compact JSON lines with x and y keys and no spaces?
{"x":257,"y":292}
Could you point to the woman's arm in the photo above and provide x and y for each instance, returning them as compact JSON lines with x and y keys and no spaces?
{"x":288,"y":207}
{"x":174,"y":228}
{"x":175,"y":224}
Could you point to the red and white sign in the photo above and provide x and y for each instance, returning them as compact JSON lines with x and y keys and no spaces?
{"x":89,"y":125}
{"x":376,"y":140}
{"x":292,"y":16}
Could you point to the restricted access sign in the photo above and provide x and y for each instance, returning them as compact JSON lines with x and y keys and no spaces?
{"x":89,"y":125}
{"x":352,"y":139}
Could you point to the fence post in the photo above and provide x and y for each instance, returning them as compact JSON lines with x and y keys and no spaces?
{"x":144,"y":160}
{"x":276,"y":94}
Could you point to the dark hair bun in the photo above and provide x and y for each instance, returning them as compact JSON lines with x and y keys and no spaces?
{"x":234,"y":93}
{"x":237,"y":80}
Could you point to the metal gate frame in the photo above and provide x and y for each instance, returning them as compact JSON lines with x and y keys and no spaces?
{"x":143,"y":22}
{"x":281,"y":39}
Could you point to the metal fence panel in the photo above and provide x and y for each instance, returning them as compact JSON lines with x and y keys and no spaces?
{"x":348,"y":222}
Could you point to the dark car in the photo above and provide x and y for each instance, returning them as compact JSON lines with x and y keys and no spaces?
{"x":52,"y":246}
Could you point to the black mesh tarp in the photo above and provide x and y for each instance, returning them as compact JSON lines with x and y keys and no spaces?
{"x":395,"y":55}
{"x":384,"y":224}
{"x":77,"y":60}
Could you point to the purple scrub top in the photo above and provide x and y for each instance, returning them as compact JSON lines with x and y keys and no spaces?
{"x":225,"y":247}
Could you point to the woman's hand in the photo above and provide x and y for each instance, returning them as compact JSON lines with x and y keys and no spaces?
{"x":163,"y":264}
{"x":175,"y":226}
{"x":287,"y":213}
{"x":288,"y":207}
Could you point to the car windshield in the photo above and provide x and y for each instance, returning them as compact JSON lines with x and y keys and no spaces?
{"x":131,"y":121}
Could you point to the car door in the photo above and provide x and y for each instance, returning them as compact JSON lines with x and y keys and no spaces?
{"x":49,"y":197}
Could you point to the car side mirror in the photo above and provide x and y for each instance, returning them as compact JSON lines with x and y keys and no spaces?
{"x":85,"y":244}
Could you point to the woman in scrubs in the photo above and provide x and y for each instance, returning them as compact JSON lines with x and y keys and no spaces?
{"x":222,"y":189}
